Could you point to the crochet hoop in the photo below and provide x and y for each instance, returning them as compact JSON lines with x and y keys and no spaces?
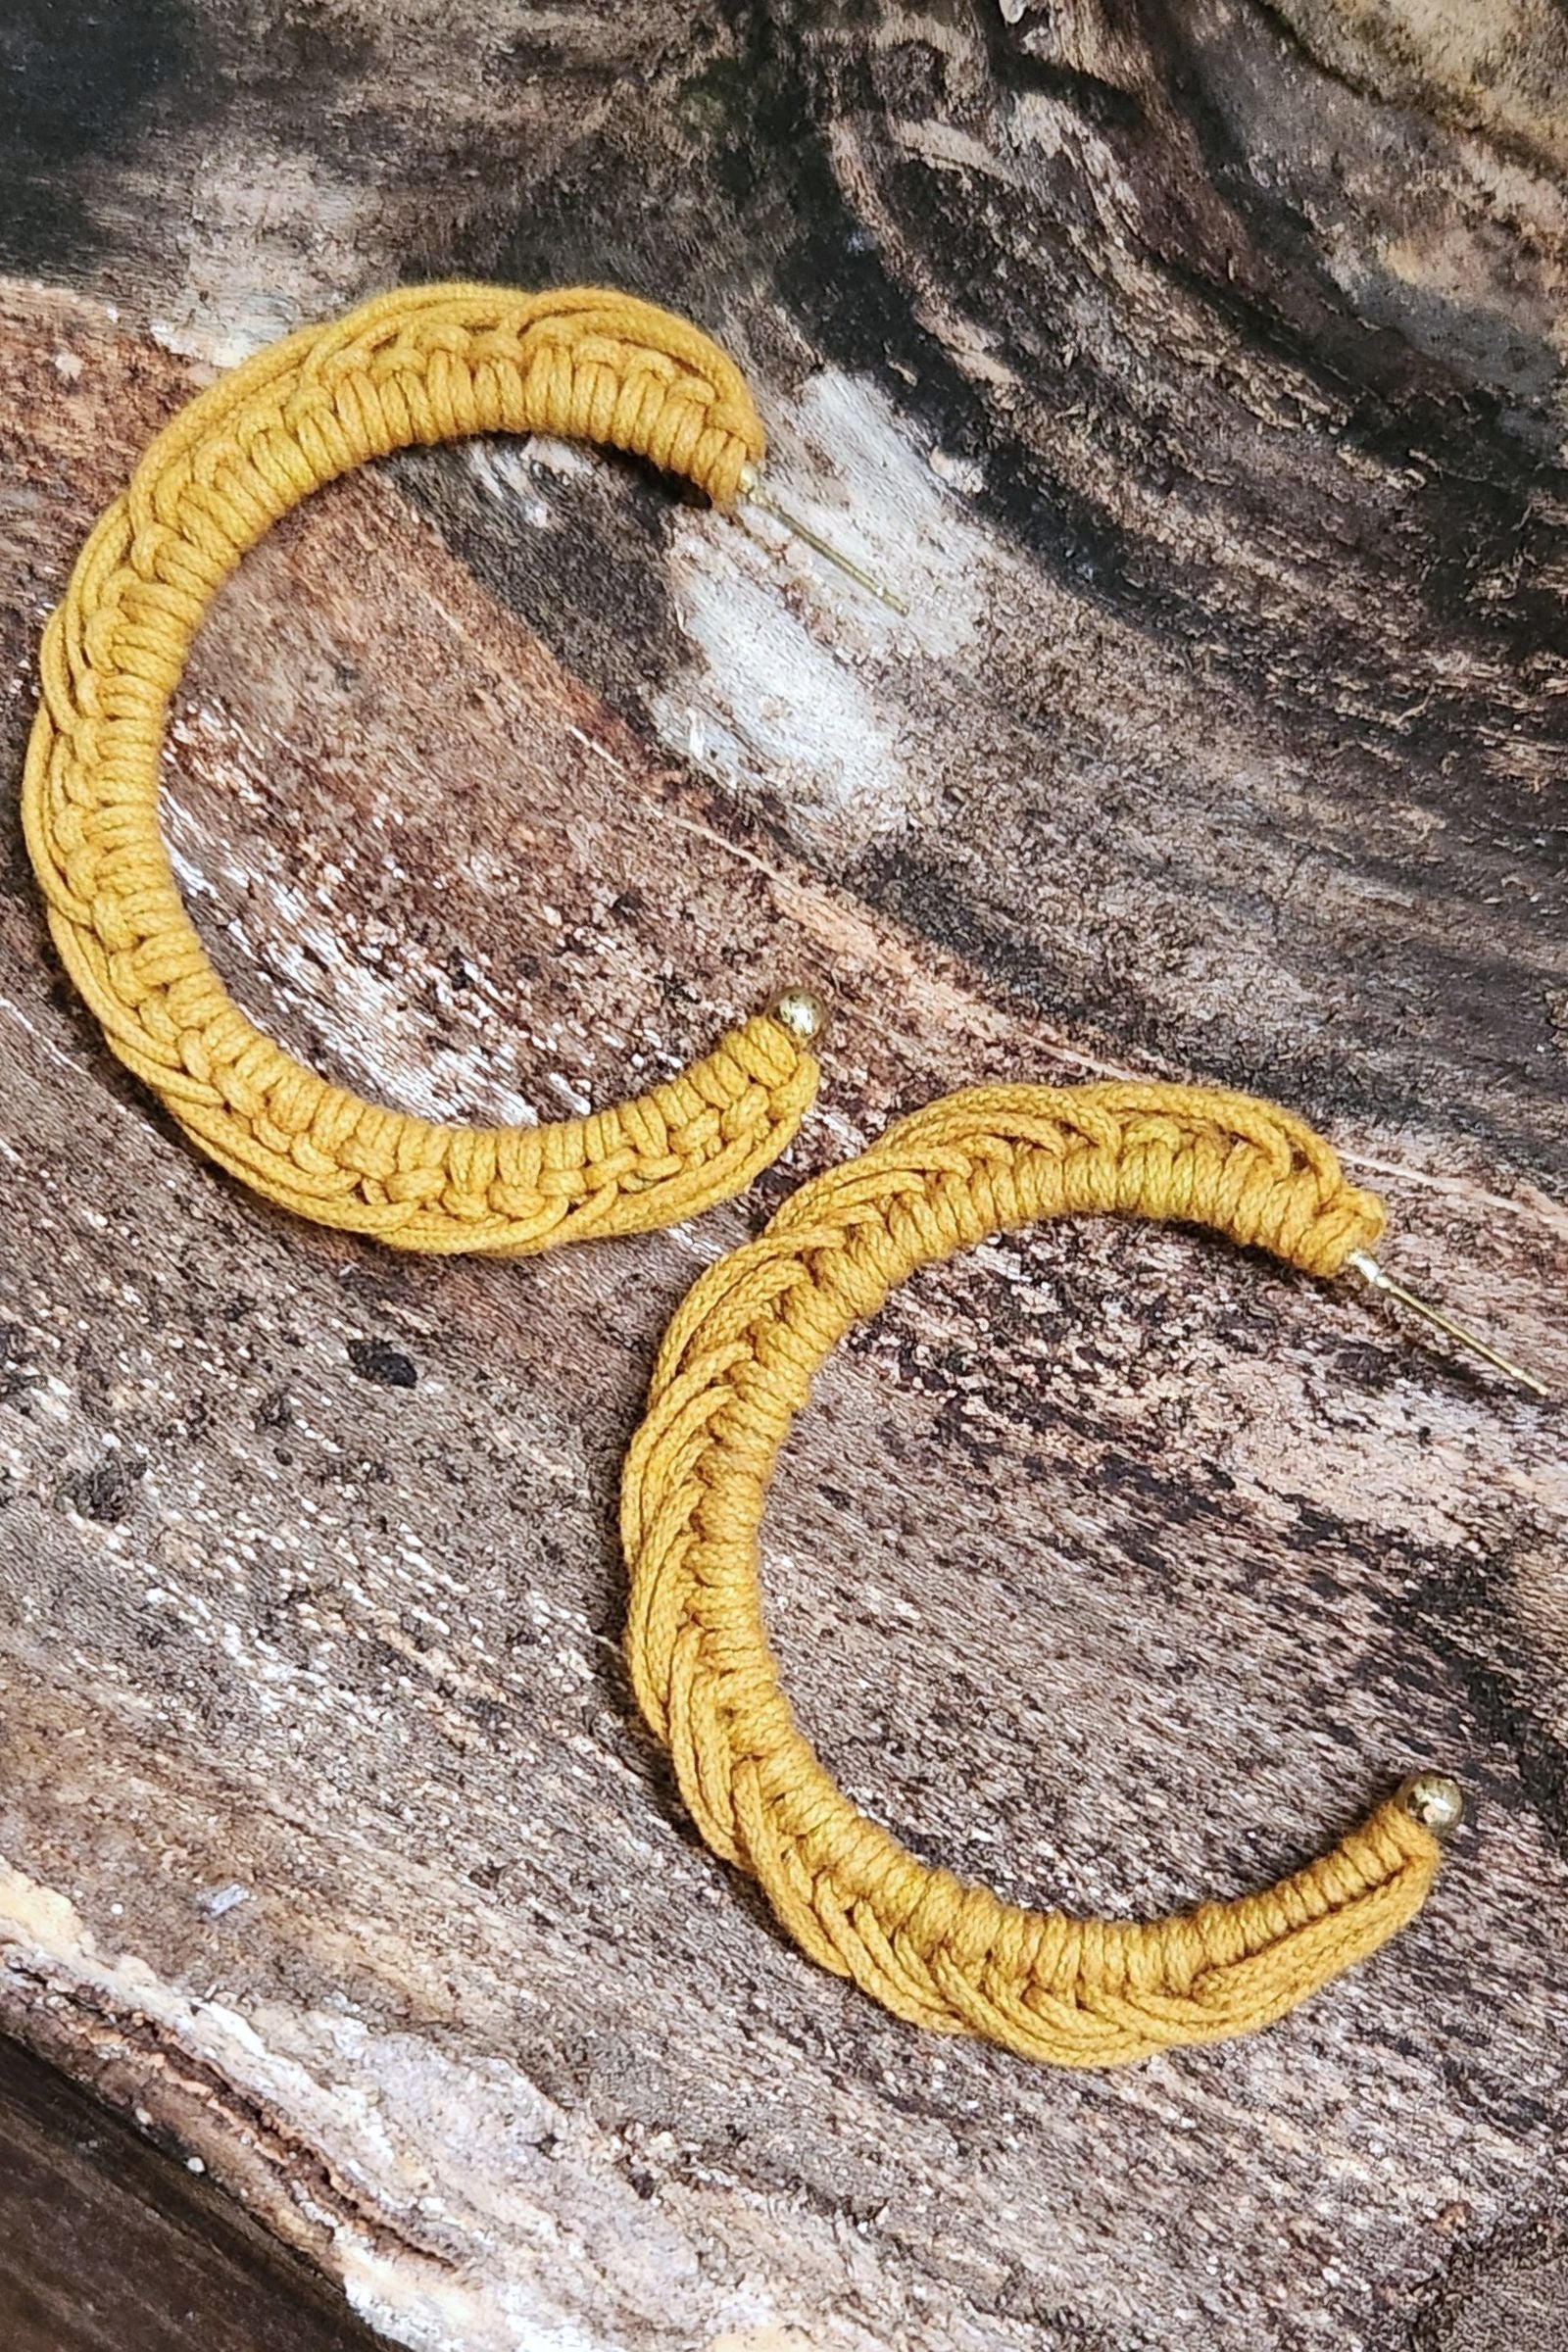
{"x":424,"y":365}
{"x":736,"y":1366}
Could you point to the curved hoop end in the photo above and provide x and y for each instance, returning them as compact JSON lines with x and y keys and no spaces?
{"x":694,"y":413}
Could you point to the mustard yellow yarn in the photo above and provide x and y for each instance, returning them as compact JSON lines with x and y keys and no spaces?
{"x":428,"y":364}
{"x":736,"y":1366}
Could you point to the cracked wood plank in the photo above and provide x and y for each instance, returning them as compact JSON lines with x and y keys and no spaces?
{"x":107,"y":2244}
{"x":1196,"y":376}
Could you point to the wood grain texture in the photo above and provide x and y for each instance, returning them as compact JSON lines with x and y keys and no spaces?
{"x":1197,"y":374}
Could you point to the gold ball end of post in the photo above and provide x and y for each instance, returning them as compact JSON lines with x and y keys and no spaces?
{"x":801,"y":1011}
{"x":1433,"y":1800}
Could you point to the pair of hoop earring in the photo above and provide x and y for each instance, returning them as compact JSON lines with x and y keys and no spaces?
{"x":443,"y":363}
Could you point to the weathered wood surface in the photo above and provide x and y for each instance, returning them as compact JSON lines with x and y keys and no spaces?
{"x":1197,"y":374}
{"x":107,"y":2244}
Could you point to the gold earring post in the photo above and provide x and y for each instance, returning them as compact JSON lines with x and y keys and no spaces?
{"x":824,"y":547}
{"x":1371,"y":1273}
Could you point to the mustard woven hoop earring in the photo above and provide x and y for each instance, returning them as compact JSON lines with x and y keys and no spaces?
{"x":736,"y":1366}
{"x":430,"y":363}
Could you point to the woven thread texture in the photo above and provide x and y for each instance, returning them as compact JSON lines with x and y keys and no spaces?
{"x":736,"y":1366}
{"x":424,"y":365}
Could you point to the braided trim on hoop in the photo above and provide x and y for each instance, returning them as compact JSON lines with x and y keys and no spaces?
{"x":424,"y":365}
{"x":736,"y":1366}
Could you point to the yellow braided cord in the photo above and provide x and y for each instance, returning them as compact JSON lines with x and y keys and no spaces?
{"x":424,"y":365}
{"x":736,"y":1366}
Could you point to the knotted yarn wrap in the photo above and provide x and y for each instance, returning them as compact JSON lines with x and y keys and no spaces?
{"x":422,"y":365}
{"x":736,"y":1366}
